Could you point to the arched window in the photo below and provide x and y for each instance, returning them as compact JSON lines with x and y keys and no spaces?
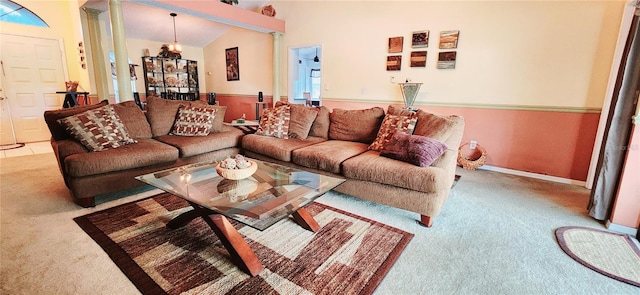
{"x":15,"y":13}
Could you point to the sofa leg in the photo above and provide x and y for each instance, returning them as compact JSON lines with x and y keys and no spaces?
{"x":425,"y":221}
{"x":86,"y":202}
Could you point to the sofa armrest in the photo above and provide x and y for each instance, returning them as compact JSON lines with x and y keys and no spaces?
{"x":64,"y":148}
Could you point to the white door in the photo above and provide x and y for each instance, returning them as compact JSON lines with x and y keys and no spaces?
{"x":6,"y":130}
{"x":32,"y":73}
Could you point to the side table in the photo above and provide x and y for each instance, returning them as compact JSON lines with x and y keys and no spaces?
{"x":248,"y":126}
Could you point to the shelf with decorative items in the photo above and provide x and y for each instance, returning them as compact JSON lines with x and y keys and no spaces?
{"x":171,"y":78}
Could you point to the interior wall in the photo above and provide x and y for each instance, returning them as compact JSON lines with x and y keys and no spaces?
{"x":255,"y":58}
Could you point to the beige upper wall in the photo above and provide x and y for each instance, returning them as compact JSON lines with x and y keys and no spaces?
{"x":540,"y":53}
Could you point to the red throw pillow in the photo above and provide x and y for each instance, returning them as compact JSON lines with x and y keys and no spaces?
{"x":415,"y":149}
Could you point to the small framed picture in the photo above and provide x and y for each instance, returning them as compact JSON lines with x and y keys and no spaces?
{"x":447,"y":60}
{"x":395,"y":44}
{"x":418,"y":59}
{"x":394,"y":62}
{"x":233,"y":69}
{"x":420,"y":39}
{"x":449,"y":39}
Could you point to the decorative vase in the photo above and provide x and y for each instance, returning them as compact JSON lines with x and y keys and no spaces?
{"x":409,"y":93}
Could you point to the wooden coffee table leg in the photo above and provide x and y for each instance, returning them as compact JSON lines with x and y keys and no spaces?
{"x":304,"y":219}
{"x":240,"y":252}
{"x":184,"y":218}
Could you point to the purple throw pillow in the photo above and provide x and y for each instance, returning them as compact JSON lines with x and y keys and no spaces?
{"x":415,"y":149}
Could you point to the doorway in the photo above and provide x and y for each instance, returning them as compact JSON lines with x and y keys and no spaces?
{"x":305,"y":75}
{"x":32,"y":72}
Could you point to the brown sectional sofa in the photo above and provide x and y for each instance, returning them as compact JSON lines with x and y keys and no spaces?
{"x":89,"y":174}
{"x":333,"y":143}
{"x":369,"y":175}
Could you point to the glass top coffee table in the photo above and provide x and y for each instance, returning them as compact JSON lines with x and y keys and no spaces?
{"x":274,"y":192}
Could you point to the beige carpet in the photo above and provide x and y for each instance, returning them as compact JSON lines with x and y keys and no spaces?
{"x":495,"y":235}
{"x":348,"y":255}
{"x":611,"y":254}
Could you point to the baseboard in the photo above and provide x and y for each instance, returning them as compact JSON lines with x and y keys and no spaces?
{"x":534,"y":175}
{"x":621,"y":229}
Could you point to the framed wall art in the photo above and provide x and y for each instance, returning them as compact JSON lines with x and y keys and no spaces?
{"x":447,"y":60}
{"x":395,"y":44}
{"x":394,"y":62}
{"x":449,"y":39}
{"x":420,"y":39}
{"x":233,"y":69}
{"x":418,"y":59}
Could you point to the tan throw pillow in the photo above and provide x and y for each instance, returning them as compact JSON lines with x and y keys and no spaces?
{"x":355,"y":125}
{"x":161,"y":114}
{"x":275,"y":122}
{"x":320,"y":127}
{"x":429,"y":125}
{"x":302,"y":117}
{"x":98,"y":129}
{"x":390,"y":125}
{"x":193,"y":121}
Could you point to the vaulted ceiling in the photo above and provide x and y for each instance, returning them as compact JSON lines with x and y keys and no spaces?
{"x":143,"y":19}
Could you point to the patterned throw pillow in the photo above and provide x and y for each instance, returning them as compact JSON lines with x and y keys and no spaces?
{"x":390,"y":125}
{"x":415,"y":149}
{"x":275,"y":122}
{"x":98,"y":129}
{"x":193,"y":121}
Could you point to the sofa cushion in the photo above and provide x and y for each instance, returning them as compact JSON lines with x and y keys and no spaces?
{"x":430,"y":125}
{"x":390,"y":125}
{"x":58,"y":131}
{"x":415,"y":149}
{"x":355,"y":125}
{"x":277,"y":148}
{"x":161,"y":114}
{"x":98,"y":129}
{"x":133,"y":119}
{"x":126,"y":157}
{"x":320,"y":127}
{"x":275,"y":122}
{"x":195,"y":145}
{"x":370,"y":166}
{"x":328,"y":155}
{"x":302,"y":118}
{"x":193,"y":121}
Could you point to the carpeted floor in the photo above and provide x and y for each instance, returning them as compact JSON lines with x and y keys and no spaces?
{"x":495,"y":235}
{"x":348,"y":255}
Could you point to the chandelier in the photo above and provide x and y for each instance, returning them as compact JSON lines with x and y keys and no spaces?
{"x":175,"y":47}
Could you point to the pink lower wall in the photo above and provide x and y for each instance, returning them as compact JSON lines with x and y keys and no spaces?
{"x":626,"y":209}
{"x":555,"y":143}
{"x":241,"y":104}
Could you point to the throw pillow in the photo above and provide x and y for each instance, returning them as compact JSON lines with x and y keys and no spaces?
{"x":58,"y":132}
{"x":355,"y":125}
{"x":275,"y":122}
{"x":415,"y":149}
{"x":320,"y":127}
{"x":429,"y":125}
{"x":98,"y":129}
{"x":161,"y":114}
{"x":302,"y":117}
{"x":391,"y":125}
{"x":133,"y":119}
{"x":193,"y":121}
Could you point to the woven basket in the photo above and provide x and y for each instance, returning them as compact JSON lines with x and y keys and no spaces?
{"x":471,"y":164}
{"x":236,"y":174}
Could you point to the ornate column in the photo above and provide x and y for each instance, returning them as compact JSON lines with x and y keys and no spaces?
{"x":97,"y":54}
{"x":120,"y":50}
{"x":276,"y":66}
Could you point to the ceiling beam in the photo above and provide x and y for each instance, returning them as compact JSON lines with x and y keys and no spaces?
{"x":217,"y":11}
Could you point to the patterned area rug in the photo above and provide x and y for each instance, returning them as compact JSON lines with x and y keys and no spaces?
{"x":348,"y":255}
{"x":611,"y":254}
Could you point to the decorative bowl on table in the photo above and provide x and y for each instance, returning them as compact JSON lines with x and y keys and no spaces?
{"x":236,"y":168}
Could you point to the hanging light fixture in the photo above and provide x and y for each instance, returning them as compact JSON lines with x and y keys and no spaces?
{"x":316,"y":59}
{"x":175,"y":47}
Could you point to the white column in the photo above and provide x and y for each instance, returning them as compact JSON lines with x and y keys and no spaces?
{"x":276,"y":66}
{"x":120,"y":50}
{"x":97,"y":54}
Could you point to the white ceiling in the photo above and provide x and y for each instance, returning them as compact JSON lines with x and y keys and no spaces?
{"x":144,"y":21}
